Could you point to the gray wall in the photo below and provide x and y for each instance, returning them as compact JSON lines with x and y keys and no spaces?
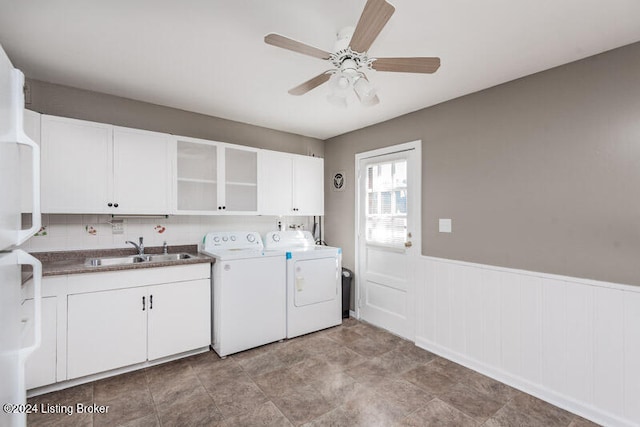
{"x":542,"y":173}
{"x":57,"y":100}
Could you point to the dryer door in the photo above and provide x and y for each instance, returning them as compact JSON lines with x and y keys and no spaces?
{"x":316,"y":281}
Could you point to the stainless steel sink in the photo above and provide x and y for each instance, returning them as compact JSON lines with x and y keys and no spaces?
{"x":134,"y":259}
{"x":167,"y":257}
{"x":97,"y":262}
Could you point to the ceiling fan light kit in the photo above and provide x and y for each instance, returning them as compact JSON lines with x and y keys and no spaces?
{"x":347,"y":80}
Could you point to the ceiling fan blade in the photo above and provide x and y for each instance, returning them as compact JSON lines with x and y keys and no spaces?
{"x":296,"y":46}
{"x":310,"y":84}
{"x":407,"y":65}
{"x":374,"y":17}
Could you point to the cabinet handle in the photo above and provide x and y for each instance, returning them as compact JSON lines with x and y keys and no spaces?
{"x":115,"y":205}
{"x":109,"y":204}
{"x":142,"y":303}
{"x":150,"y":302}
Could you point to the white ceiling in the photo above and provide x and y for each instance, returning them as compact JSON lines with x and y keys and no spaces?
{"x":209,"y":56}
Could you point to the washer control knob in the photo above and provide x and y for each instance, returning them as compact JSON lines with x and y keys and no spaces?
{"x":216,"y":239}
{"x":233,"y":238}
{"x":251,"y":238}
{"x":276,"y":237}
{"x":225,"y":238}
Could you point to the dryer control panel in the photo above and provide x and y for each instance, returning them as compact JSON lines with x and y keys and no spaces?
{"x":289,"y":239}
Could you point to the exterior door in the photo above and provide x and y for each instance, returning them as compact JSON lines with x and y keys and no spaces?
{"x":388,"y":238}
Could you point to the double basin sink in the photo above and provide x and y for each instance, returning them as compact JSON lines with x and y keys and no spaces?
{"x":135,"y":259}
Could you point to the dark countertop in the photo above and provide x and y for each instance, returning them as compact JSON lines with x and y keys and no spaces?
{"x":73,"y":262}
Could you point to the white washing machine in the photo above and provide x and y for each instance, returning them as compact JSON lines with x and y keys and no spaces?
{"x":314,"y":281}
{"x":248,"y":292}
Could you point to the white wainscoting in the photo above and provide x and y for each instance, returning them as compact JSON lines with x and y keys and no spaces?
{"x":572,"y":342}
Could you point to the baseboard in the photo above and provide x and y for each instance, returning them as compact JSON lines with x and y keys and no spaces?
{"x":112,"y":373}
{"x":557,"y":399}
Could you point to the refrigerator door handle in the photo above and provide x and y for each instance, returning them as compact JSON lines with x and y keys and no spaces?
{"x":23,"y":139}
{"x":25,"y":258}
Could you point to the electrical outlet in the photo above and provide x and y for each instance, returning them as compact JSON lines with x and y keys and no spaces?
{"x":117,"y":226}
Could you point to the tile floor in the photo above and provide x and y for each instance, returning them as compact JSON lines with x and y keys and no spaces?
{"x":350,"y":375}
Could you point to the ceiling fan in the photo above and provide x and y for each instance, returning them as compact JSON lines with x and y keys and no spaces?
{"x":350,"y":58}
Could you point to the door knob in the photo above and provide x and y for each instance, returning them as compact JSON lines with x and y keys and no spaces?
{"x":408,"y":244}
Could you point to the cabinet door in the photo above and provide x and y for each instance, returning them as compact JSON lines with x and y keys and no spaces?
{"x":142,"y":172}
{"x":240,"y":180}
{"x":106,"y":330}
{"x":308,"y":185}
{"x":276,"y":175}
{"x":40,"y":369}
{"x":76,"y":165}
{"x":179,"y":317}
{"x":196,"y":176}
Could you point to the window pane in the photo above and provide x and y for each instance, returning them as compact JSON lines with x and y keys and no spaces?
{"x":385,"y":207}
{"x":386,"y":203}
{"x":372,"y":203}
{"x":401,"y":202}
{"x":400,"y":174}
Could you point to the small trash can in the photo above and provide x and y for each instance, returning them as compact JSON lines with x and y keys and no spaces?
{"x":347,"y":275}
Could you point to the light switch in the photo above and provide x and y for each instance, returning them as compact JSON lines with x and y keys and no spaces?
{"x":444,"y":225}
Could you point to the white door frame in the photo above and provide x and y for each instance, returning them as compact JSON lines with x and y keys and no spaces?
{"x":416,"y":181}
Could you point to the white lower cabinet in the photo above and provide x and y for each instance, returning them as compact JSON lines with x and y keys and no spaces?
{"x":98,"y":322}
{"x":105,"y":330}
{"x":116,"y":328}
{"x":179,"y":318}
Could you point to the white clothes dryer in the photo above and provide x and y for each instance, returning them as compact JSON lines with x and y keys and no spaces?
{"x":248,"y":292}
{"x":314,"y":274}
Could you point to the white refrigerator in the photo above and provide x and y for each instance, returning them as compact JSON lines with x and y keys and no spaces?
{"x":19,"y":333}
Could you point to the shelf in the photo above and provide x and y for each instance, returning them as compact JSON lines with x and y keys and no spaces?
{"x":200,"y":181}
{"x":242,"y":184}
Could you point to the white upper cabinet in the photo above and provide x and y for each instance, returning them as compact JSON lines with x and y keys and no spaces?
{"x":276,"y":183}
{"x":291,"y":184}
{"x":92,"y":167}
{"x":97,"y":168}
{"x":308,"y":185}
{"x":76,"y":165}
{"x":142,"y":171}
{"x":240,"y":179}
{"x":196,"y":185}
{"x":215,"y":178}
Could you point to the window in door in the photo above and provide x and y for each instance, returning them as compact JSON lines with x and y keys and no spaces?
{"x":386,"y":203}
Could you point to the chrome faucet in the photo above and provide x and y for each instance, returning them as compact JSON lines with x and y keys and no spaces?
{"x":165,"y":248}
{"x":139,"y":247}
